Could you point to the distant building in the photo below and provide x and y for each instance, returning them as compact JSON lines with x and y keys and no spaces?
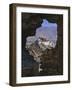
{"x":45,"y":44}
{"x":37,"y":47}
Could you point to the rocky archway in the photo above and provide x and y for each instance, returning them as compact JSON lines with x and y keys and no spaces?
{"x":52,"y":61}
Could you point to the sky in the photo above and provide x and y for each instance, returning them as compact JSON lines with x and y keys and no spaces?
{"x":47,"y":30}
